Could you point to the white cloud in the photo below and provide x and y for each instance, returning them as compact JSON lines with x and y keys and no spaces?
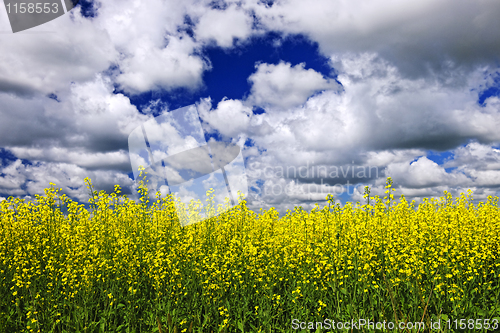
{"x":154,"y":50}
{"x":146,"y":46}
{"x":223,"y":26}
{"x":410,"y":74}
{"x":385,"y":157}
{"x":117,"y":160}
{"x":476,"y":156}
{"x":385,"y":121}
{"x":285,"y":86}
{"x":422,"y":173}
{"x":25,"y":180}
{"x":74,"y":50}
{"x":231,"y":117}
{"x":420,"y":38}
{"x":152,"y":68}
{"x":85,"y":134}
{"x":379,"y":110}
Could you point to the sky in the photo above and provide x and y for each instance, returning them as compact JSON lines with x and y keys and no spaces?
{"x":320,"y":96}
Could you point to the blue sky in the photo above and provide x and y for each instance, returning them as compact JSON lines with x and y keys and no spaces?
{"x":329,"y":88}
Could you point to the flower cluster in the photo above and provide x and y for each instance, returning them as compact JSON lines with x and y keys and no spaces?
{"x":124,"y":265}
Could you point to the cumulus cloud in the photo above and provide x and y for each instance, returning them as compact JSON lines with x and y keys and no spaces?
{"x":85,"y":123}
{"x":152,"y":68}
{"x":422,"y":173}
{"x":116,"y":160}
{"x":145,"y":46}
{"x":69,"y":50}
{"x":89,"y":115}
{"x":410,"y":76}
{"x":231,"y":117}
{"x":476,"y":156}
{"x":224,"y":26}
{"x":24,"y":179}
{"x":285,"y":86}
{"x":83,"y":134}
{"x":382,"y":120}
{"x":420,"y":38}
{"x":155,"y":50}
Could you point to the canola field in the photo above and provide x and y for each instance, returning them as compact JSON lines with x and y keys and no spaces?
{"x":123,"y":266}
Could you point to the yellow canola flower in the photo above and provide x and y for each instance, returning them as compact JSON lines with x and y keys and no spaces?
{"x":56,"y":252}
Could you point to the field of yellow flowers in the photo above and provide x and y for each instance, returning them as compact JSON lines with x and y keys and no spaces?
{"x":123,"y":266}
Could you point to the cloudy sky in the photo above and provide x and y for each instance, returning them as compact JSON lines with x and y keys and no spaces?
{"x":321,"y":96}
